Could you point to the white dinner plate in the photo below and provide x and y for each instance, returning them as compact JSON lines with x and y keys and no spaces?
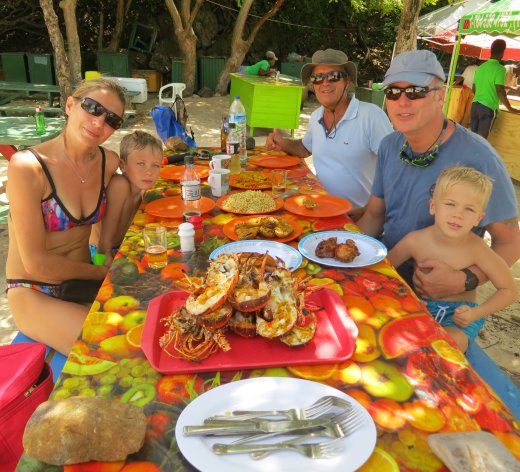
{"x":288,"y":254}
{"x":269,"y":393}
{"x":371,"y":250}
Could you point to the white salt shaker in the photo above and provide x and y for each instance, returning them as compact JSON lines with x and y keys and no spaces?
{"x":187,"y":237}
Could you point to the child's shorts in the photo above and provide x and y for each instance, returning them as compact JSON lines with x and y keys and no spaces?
{"x":443,"y":311}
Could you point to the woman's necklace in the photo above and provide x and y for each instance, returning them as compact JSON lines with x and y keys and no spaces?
{"x":425,"y":158}
{"x":73,"y":165}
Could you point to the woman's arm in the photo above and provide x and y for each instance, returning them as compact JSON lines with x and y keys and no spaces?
{"x":25,"y":191}
{"x":118,"y":192}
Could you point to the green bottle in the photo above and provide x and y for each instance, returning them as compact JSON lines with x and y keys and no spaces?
{"x":39,"y":117}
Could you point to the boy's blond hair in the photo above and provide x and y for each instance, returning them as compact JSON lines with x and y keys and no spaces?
{"x":87,"y":86}
{"x":138,"y":140}
{"x":464,"y":175}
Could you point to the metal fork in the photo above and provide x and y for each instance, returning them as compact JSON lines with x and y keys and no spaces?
{"x":314,"y":451}
{"x":319,"y":407}
{"x":343,"y":426}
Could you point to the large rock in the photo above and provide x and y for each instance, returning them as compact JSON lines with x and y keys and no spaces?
{"x":82,"y":429}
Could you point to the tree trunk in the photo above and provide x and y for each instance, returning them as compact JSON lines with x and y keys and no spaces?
{"x":240,"y":46}
{"x":74,"y":49}
{"x":118,"y":29}
{"x":62,"y":62}
{"x":101,"y":26}
{"x":186,"y":37}
{"x":407,"y":33}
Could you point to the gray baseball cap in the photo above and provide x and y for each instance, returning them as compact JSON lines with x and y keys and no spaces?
{"x":271,"y":55}
{"x":414,"y":67}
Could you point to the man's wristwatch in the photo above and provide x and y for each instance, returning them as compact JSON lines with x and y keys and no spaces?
{"x":471,"y":280}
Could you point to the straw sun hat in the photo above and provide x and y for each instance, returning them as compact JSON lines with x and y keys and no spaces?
{"x":329,"y":57}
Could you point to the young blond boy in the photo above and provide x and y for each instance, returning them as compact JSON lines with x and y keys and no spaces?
{"x":140,"y":163}
{"x":458,"y":204}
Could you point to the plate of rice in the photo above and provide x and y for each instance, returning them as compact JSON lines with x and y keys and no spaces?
{"x":250,"y":202}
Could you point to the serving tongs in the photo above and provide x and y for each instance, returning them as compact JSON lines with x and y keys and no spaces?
{"x":230,"y":428}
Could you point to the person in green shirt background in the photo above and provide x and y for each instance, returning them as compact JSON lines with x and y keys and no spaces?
{"x":263,"y":68}
{"x":488,"y":86}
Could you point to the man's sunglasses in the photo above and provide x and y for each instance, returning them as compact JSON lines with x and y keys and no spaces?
{"x":413,"y":92}
{"x":332,"y":76}
{"x":96,"y":109}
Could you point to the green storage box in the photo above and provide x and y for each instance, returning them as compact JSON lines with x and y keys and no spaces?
{"x":210,"y":70}
{"x":364,"y":94}
{"x":14,"y":66}
{"x":115,"y":64}
{"x":41,"y":68}
{"x":177,"y":73}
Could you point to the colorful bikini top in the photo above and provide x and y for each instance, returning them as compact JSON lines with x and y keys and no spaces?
{"x":56,"y":217}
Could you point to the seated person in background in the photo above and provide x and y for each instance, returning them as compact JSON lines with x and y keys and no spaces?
{"x":468,"y":75}
{"x":141,"y":156}
{"x":511,"y":80}
{"x":458,"y":204}
{"x":263,"y":68}
{"x":344,"y":133}
{"x":408,"y":164}
{"x":56,"y":193}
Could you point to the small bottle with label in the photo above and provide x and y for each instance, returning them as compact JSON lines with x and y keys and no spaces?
{"x":190,"y":187}
{"x":233,"y":148}
{"x":39,"y":118}
{"x":224,"y":130}
{"x":187,"y":237}
{"x":198,"y":226}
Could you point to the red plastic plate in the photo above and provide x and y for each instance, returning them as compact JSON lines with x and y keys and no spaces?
{"x":334,"y":341}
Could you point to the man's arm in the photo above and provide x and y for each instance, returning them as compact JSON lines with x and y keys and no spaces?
{"x":373,"y":219}
{"x":294,"y":147}
{"x":442,"y":281}
{"x":501,"y":91}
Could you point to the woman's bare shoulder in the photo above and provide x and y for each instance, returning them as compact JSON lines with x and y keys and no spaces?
{"x":112,"y":161}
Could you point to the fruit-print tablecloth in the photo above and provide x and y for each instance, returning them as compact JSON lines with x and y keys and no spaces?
{"x":405,"y":370}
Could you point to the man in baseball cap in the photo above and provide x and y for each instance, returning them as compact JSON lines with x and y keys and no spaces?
{"x":409,"y":162}
{"x":343,"y":134}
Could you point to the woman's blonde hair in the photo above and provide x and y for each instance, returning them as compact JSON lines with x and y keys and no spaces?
{"x":464,"y":175}
{"x":138,"y":140}
{"x":86,"y":86}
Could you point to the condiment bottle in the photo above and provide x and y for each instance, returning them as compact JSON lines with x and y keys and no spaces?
{"x":39,"y":118}
{"x":187,"y":237}
{"x":224,"y":130}
{"x":233,"y":148}
{"x":198,"y":226}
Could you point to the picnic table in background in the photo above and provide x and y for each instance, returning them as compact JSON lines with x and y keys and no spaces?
{"x":21,"y":131}
{"x":405,"y":370}
{"x":21,"y":89}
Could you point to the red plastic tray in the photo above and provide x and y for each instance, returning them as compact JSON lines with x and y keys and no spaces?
{"x":334,"y":341}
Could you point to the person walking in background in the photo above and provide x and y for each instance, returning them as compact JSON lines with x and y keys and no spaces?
{"x":263,"y":67}
{"x":458,"y":204}
{"x":140,"y":161}
{"x":488,"y":86}
{"x":343,"y":134}
{"x":57,"y":191}
{"x":409,"y":162}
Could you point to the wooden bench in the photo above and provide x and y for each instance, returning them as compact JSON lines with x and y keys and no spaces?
{"x":22,"y":89}
{"x":54,"y":358}
{"x":9,"y":110}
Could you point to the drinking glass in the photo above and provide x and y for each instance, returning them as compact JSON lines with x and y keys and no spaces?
{"x":279,"y":181}
{"x":155,"y":245}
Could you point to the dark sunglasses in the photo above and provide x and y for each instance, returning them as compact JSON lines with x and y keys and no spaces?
{"x":332,"y":76}
{"x":96,"y":109}
{"x":413,"y":92}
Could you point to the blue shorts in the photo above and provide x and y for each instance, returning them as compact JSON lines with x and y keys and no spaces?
{"x":443,"y":312}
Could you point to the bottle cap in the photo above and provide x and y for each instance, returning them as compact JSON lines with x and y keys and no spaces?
{"x":99,"y":259}
{"x":186,"y":229}
{"x":196,"y":221}
{"x":188,"y":158}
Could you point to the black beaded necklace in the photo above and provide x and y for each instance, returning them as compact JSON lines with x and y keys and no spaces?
{"x":425,"y":158}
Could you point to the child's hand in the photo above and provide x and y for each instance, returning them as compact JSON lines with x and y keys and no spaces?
{"x":464,"y":316}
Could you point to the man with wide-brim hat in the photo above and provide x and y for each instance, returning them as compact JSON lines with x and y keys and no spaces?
{"x":343,"y":134}
{"x":410,"y":160}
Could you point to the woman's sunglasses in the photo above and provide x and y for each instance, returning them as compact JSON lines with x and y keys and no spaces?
{"x":413,"y":92}
{"x":332,"y":76}
{"x":96,"y":109}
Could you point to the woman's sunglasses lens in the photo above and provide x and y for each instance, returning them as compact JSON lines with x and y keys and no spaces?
{"x":96,"y":109}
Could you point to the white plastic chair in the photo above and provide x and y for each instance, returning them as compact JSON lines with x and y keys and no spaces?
{"x":176,"y":89}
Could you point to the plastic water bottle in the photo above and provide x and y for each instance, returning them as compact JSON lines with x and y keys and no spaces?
{"x":237,"y":115}
{"x":233,"y":148}
{"x":190,"y":187}
{"x":39,"y":118}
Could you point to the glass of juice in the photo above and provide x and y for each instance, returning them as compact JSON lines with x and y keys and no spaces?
{"x":155,"y":245}
{"x":279,"y":181}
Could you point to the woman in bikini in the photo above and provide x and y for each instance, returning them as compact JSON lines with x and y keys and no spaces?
{"x":57,"y":191}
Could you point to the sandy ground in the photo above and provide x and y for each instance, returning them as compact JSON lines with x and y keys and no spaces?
{"x":501,"y":333}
